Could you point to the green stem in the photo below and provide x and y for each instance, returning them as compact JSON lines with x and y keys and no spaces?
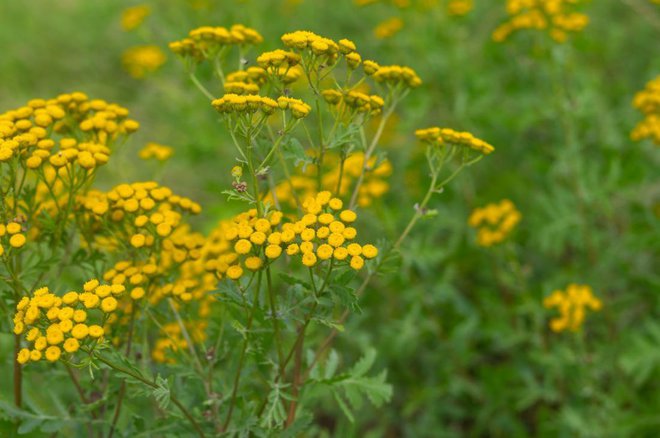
{"x":201,"y":87}
{"x":241,"y":361}
{"x":151,"y":384}
{"x":276,"y":324}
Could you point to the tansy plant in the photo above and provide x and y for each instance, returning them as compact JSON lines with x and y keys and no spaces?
{"x":249,"y":310}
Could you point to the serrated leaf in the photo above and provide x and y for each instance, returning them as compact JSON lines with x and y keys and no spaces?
{"x":292,"y":149}
{"x":364,"y":364}
{"x":344,"y":407}
{"x":291,"y":280}
{"x":162,"y":393}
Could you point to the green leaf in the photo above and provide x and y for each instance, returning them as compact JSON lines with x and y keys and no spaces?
{"x":275,"y":414}
{"x":162,"y":393}
{"x":344,"y":407}
{"x":292,"y":149}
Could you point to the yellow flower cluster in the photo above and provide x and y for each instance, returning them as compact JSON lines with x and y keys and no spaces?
{"x":572,"y":305}
{"x":156,"y":151}
{"x":324,"y":232}
{"x":355,"y":100}
{"x":142,"y":212}
{"x":388,"y":28}
{"x":87,"y":129}
{"x":173,"y":274}
{"x":12,"y":235}
{"x":494,"y":222}
{"x":247,"y":81}
{"x":298,"y":108}
{"x":133,"y":275}
{"x":141,"y":61}
{"x":278,"y":58}
{"x":555,"y":16}
{"x":133,"y":17}
{"x":647,"y":102}
{"x":304,"y":184}
{"x":235,"y":103}
{"x":459,"y":7}
{"x":207,"y":41}
{"x":446,"y":136}
{"x":392,"y":75}
{"x":171,"y":337}
{"x":314,"y":44}
{"x":52,"y":323}
{"x":243,"y":243}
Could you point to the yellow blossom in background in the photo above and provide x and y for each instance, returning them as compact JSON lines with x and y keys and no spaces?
{"x":388,"y":28}
{"x":494,"y":222}
{"x":459,"y":7}
{"x":556,"y":17}
{"x":133,"y":17}
{"x":140,"y":61}
{"x":207,"y":41}
{"x":572,"y":305}
{"x":156,"y":151}
{"x":337,"y":177}
{"x":647,"y":102}
{"x":442,"y":137}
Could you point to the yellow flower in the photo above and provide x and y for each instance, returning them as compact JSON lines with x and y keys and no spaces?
{"x":273,"y":251}
{"x":557,"y":17}
{"x":243,"y":246}
{"x":571,"y":304}
{"x":138,"y":240}
{"x":142,"y":60}
{"x":388,"y":28}
{"x":357,"y":262}
{"x":71,"y":345}
{"x":109,"y":304}
{"x":234,"y":272}
{"x":309,"y":259}
{"x":23,"y":356}
{"x":156,"y":151}
{"x":137,"y":293}
{"x":17,"y":240}
{"x":647,"y":102}
{"x":132,"y":18}
{"x":96,"y":331}
{"x":253,"y":263}
{"x":53,"y":353}
{"x":494,"y":222}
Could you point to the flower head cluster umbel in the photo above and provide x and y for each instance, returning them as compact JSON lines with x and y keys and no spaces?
{"x":55,"y":325}
{"x":557,"y":17}
{"x":494,"y":222}
{"x":647,"y":102}
{"x":572,"y":305}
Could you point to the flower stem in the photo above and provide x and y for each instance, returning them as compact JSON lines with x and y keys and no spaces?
{"x":151,"y":384}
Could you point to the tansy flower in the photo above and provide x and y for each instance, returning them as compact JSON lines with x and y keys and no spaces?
{"x":142,"y":60}
{"x":388,"y":28}
{"x":572,"y":305}
{"x":647,"y":102}
{"x":156,"y":151}
{"x":494,"y":222}
{"x":448,"y":137}
{"x":45,"y":312}
{"x":133,"y":17}
{"x":557,"y":17}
